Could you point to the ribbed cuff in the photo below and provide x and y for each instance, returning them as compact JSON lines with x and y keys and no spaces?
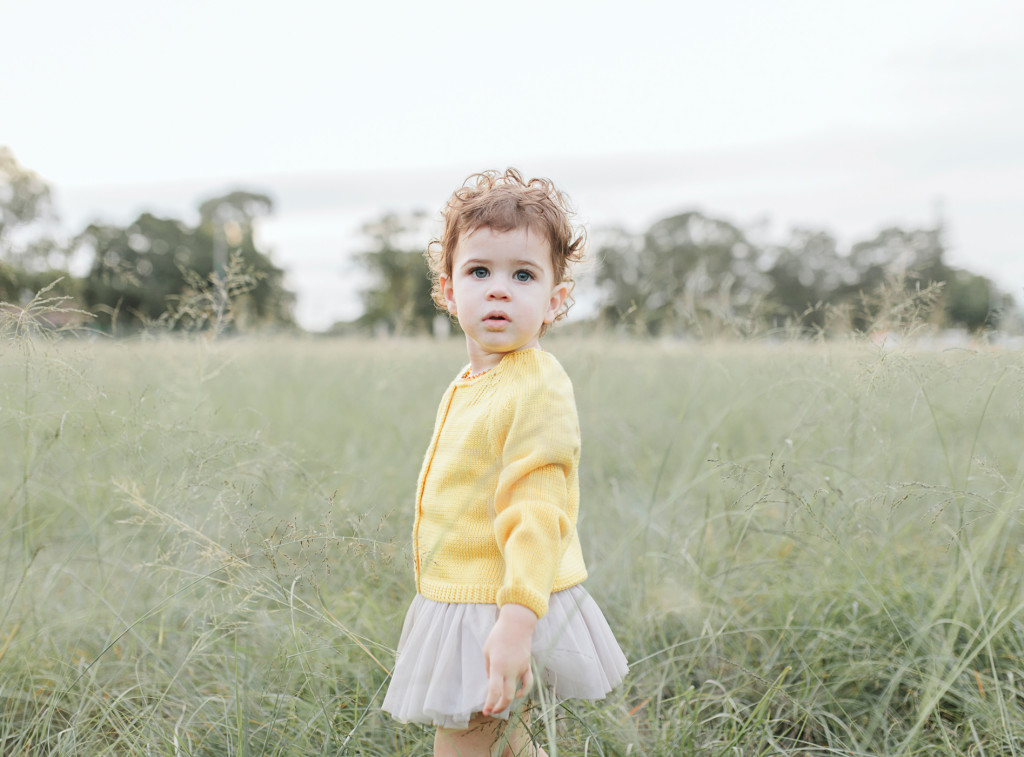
{"x":522,"y":595}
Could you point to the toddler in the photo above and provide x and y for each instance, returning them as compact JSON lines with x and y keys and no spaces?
{"x":497,"y":559}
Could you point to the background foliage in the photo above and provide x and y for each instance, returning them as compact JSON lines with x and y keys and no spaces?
{"x":689,"y":274}
{"x":694,"y":275}
{"x":143,"y":274}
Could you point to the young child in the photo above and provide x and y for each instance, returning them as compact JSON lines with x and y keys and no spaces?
{"x":498,"y":562}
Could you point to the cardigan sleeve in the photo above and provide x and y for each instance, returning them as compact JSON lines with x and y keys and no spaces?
{"x":535,"y":503}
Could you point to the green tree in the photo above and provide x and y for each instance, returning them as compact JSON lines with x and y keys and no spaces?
{"x":142,"y":273}
{"x":228,"y":223}
{"x":26,"y":207}
{"x":30,"y":258}
{"x":916,"y":254}
{"x":973,"y":301}
{"x":397,"y":299}
{"x":684,"y":272}
{"x":916,"y":257}
{"x":804,"y":272}
{"x":137,"y":269}
{"x":689,"y":273}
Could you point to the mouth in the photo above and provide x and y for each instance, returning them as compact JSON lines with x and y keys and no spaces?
{"x":496,"y":318}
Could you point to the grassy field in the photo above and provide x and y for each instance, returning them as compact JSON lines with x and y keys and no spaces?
{"x":803,"y":549}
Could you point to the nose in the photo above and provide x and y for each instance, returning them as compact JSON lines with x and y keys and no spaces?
{"x":498,"y":289}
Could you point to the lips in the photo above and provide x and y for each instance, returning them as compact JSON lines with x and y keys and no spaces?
{"x":496,"y":317}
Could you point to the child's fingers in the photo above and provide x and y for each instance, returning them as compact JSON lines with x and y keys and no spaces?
{"x":527,"y":684}
{"x":494,"y":686}
{"x":493,"y":696}
{"x":499,"y":693}
{"x":508,"y":692}
{"x":492,"y":690}
{"x":507,"y":689}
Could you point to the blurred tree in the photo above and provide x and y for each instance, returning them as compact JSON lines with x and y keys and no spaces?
{"x":398,"y":299}
{"x":683,"y":268}
{"x":972,"y":301}
{"x":135,"y":270}
{"x":804,"y":272}
{"x":139,"y":272}
{"x":916,"y":254}
{"x":239,"y":207}
{"x":18,"y":286}
{"x":27,"y":219}
{"x":690,"y":271}
{"x":228,"y":224}
{"x":916,"y":257}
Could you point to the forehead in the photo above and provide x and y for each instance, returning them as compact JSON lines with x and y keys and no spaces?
{"x":523,"y":244}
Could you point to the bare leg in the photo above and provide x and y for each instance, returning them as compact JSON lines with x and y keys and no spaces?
{"x":488,"y":737}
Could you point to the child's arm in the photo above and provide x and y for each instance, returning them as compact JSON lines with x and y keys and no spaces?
{"x":537,"y":494}
{"x":535,"y":503}
{"x":507,"y":657}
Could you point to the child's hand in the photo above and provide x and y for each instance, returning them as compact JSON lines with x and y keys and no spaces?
{"x":507,"y":657}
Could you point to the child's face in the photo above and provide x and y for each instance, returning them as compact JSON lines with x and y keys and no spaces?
{"x":503,"y":290}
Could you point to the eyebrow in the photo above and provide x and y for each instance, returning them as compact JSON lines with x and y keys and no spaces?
{"x":515,"y":263}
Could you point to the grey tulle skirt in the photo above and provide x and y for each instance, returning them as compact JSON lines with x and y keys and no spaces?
{"x":439,"y":675}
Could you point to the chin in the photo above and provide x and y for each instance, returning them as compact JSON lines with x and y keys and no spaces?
{"x":503,"y":347}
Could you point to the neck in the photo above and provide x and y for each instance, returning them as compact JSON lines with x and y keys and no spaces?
{"x":481,"y":360}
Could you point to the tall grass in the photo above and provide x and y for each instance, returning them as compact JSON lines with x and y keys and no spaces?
{"x":803,"y":549}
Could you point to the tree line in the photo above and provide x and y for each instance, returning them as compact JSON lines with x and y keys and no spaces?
{"x":689,"y":274}
{"x":692,"y":274}
{"x":154,"y":272}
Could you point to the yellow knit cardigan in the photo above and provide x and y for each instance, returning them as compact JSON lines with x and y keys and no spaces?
{"x":498,"y":493}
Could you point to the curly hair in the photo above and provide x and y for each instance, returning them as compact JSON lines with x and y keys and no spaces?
{"x":506,"y":202}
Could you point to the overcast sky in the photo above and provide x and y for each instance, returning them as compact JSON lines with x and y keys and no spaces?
{"x":845,"y":115}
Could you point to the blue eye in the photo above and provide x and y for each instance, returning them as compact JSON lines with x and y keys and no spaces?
{"x":523,"y":275}
{"x":478,"y":272}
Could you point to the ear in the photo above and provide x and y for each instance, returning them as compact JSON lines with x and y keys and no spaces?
{"x":445,"y":283}
{"x":559,"y":293}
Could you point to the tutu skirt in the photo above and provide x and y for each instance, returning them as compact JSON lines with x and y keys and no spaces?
{"x":439,"y":675}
